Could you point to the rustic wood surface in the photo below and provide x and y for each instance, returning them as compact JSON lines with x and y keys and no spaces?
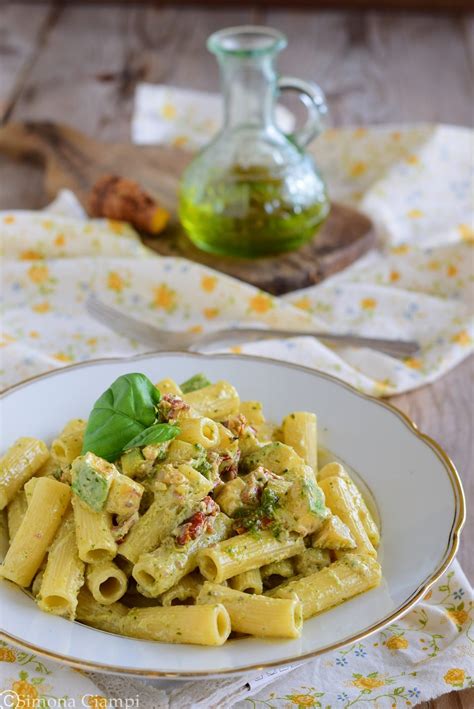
{"x":80,"y":64}
{"x":76,"y":161}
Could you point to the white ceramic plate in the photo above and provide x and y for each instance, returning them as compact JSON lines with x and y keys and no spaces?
{"x":416,"y":489}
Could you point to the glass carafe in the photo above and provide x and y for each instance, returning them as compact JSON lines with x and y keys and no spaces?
{"x":253,"y":191}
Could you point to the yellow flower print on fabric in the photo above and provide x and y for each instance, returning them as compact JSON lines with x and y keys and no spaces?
{"x":6,"y":340}
{"x":26,"y":693}
{"x":211,"y":313}
{"x":43,"y":307}
{"x":303,"y":303}
{"x":208,"y":283}
{"x":9,"y":219}
{"x":451,"y":271}
{"x":116,"y":226}
{"x":168,"y":111}
{"x":394,"y":276}
{"x":260,"y":303}
{"x":7,"y":655}
{"x":368,"y":682}
{"x":180,"y":141}
{"x":401,"y":249}
{"x":462,"y":338}
{"x":30,"y":255}
{"x":60,"y":240}
{"x":415,"y":214}
{"x":196,"y":329}
{"x":368,"y":303}
{"x":38,"y":274}
{"x":466,"y":233}
{"x":412,"y":159}
{"x":455,"y":677}
{"x":95,"y":701}
{"x":397,"y":642}
{"x":458,"y":617}
{"x":413,"y":363}
{"x":358,"y":169}
{"x":115,"y":282}
{"x":302,"y":700}
{"x":62,"y":357}
{"x":164,"y":298}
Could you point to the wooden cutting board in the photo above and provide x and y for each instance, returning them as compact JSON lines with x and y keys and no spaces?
{"x":75,"y":161}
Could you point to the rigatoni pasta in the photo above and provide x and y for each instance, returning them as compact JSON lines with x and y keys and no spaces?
{"x":36,"y":532}
{"x":19,"y":464}
{"x":63,"y":575}
{"x":178,"y":513}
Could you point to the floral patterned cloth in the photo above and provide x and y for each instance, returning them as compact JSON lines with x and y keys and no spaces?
{"x":415,"y":183}
{"x":428,"y":652}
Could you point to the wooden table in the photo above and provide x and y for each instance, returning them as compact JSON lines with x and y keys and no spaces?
{"x":80,"y":65}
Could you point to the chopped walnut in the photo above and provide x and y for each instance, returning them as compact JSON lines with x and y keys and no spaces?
{"x":172,"y":406}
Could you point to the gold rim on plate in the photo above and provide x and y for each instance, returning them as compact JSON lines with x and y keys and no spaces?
{"x":453,"y":542}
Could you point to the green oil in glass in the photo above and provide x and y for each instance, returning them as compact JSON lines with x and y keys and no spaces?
{"x":248,"y":213}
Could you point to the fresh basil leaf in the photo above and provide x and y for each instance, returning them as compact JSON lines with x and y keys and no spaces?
{"x":123,"y":411}
{"x":198,"y":381}
{"x":158,"y":433}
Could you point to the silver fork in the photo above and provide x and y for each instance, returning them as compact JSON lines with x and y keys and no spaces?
{"x":159,"y":339}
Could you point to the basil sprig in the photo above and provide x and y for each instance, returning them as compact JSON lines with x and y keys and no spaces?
{"x":125,"y":417}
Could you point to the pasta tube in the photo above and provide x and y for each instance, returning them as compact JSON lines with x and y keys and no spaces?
{"x":199,"y":430}
{"x":181,"y":490}
{"x":276,"y":572}
{"x":333,"y":534}
{"x":217,"y":401}
{"x":336,"y":469}
{"x":347,"y":577}
{"x":19,"y":464}
{"x":311,"y":560}
{"x":106,"y":582}
{"x":248,"y":581}
{"x":341,"y":503}
{"x":4,"y":534}
{"x":108,"y":618}
{"x":168,"y":386}
{"x":301,"y":433}
{"x":159,"y":570}
{"x":29,"y":488}
{"x":229,"y":497}
{"x":254,"y":614}
{"x":68,"y":445}
{"x":244,"y":552}
{"x":36,"y":532}
{"x":64,"y":573}
{"x":253,"y":412}
{"x":95,"y":541}
{"x":198,"y":625}
{"x":15,"y":513}
{"x":184,"y":592}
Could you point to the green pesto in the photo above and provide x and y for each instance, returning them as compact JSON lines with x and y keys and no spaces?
{"x":276,"y":456}
{"x":253,"y":519}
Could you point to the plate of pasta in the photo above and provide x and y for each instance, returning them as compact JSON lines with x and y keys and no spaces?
{"x":188,"y":515}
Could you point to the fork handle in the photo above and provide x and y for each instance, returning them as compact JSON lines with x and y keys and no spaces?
{"x":395,"y":348}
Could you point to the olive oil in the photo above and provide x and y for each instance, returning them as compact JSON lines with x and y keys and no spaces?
{"x":250,"y":213}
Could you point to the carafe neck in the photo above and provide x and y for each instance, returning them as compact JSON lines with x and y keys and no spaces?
{"x":248,"y":88}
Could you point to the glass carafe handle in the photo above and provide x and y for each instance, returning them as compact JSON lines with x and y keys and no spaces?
{"x":313,"y":98}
